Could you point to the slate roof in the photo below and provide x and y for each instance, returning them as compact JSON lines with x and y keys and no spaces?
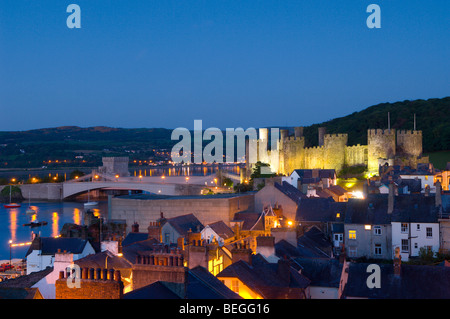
{"x":200,"y":285}
{"x":336,"y":189}
{"x":140,"y":248}
{"x":157,"y":290}
{"x":262,"y":276}
{"x":415,"y":208}
{"x":50,"y":245}
{"x":185,"y":223}
{"x":100,"y":260}
{"x":131,"y":238}
{"x":18,"y":293}
{"x":203,"y":285}
{"x":415,"y":282}
{"x":319,"y":210}
{"x":321,"y":272}
{"x":290,"y":191}
{"x":313,"y":244}
{"x":222,"y":229}
{"x":26,"y":281}
{"x":250,"y":220}
{"x":407,"y":208}
{"x":322,"y":173}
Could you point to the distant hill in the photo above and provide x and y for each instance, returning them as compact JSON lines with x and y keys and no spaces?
{"x":34,"y":147}
{"x":432,"y":118}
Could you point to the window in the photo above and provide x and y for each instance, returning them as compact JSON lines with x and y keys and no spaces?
{"x":429,"y":232}
{"x":418,"y":226}
{"x":367,"y":227}
{"x":352,"y":251}
{"x":235,"y":286}
{"x":377,"y":230}
{"x":352,"y":234}
{"x":404,"y":228}
{"x":405,"y":245}
{"x":416,"y":245}
{"x":338,"y":237}
{"x":377,"y":249}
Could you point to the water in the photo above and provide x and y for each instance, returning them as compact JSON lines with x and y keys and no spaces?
{"x":56,"y":214}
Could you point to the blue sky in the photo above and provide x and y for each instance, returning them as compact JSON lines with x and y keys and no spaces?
{"x":230,"y":63}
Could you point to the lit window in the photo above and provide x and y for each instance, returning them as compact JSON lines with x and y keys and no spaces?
{"x":367,"y":227}
{"x":352,"y":234}
{"x":429,"y":232}
{"x":338,"y":215}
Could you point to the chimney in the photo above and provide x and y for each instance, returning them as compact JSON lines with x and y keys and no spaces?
{"x":342,"y":254}
{"x":154,"y":231}
{"x":397,"y":262}
{"x":438,"y":197}
{"x":241,"y":252}
{"x":391,"y":198}
{"x":366,"y":189}
{"x":135,"y":228}
{"x":265,"y":245}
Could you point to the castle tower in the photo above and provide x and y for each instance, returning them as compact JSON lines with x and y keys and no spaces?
{"x":322,"y":132}
{"x":334,"y":151}
{"x":409,"y":143}
{"x":381,"y":145}
{"x":298,"y":131}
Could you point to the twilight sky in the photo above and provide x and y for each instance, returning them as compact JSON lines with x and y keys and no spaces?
{"x":163,"y":63}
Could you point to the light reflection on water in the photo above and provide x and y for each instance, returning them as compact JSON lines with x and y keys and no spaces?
{"x":56,"y":214}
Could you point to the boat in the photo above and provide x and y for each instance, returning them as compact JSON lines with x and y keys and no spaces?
{"x":36,"y":224}
{"x":30,"y":211}
{"x":89,"y":203}
{"x":11,"y":205}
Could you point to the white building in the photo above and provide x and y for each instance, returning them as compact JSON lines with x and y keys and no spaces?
{"x":411,"y":236}
{"x":42,"y":251}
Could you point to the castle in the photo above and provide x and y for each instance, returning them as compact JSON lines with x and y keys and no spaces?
{"x":402,"y":147}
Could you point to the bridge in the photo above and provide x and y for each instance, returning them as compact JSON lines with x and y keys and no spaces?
{"x":164,"y":185}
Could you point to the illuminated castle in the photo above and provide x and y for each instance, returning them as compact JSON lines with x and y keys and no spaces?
{"x":383,"y":146}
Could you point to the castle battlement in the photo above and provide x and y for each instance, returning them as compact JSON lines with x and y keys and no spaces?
{"x":294,"y":138}
{"x":409,"y":132}
{"x":377,"y":132}
{"x":337,"y":135}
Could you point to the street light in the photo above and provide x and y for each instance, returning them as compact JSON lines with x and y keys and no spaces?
{"x":10,"y":264}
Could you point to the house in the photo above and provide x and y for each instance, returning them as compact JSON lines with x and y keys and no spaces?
{"x":301,"y":178}
{"x":284,"y":197}
{"x":41,"y":253}
{"x":415,"y":225}
{"x":367,"y":228}
{"x":256,"y":278}
{"x":179,"y":226}
{"x":218,"y":231}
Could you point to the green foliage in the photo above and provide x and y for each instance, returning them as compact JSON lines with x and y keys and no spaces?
{"x":356,"y":171}
{"x":257,"y":171}
{"x":227,"y":182}
{"x":432,"y":118}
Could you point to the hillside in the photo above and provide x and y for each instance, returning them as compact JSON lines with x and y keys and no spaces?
{"x":35,"y":148}
{"x":432,"y":118}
